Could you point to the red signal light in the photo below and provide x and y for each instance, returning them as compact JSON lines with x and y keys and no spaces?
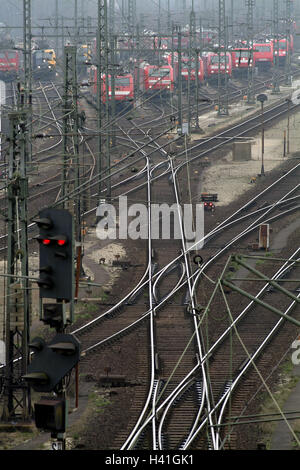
{"x":46,"y":241}
{"x":61,"y":242}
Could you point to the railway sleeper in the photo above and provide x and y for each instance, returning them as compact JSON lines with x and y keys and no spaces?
{"x":183,"y":395}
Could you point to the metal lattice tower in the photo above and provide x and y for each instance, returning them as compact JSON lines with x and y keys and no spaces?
{"x":223,"y":108}
{"x":192,"y":47}
{"x":131,"y":16}
{"x":17,"y":401}
{"x":169,"y":20}
{"x":250,"y":40}
{"x":276,"y":71}
{"x":27,"y":72}
{"x":102,"y":69}
{"x":179,"y":85}
{"x":111,"y":15}
{"x":289,"y":21}
{"x":70,"y":175}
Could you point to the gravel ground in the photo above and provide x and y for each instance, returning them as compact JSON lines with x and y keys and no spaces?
{"x":104,"y":411}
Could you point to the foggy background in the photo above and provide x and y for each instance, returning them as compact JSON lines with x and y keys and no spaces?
{"x":43,"y":11}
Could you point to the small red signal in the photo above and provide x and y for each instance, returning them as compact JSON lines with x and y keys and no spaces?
{"x":61,"y":242}
{"x":46,"y":241}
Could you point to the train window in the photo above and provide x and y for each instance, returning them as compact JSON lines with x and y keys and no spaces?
{"x":122,"y":81}
{"x":215,"y":59}
{"x":263,"y":48}
{"x":159,"y":72}
{"x":244,"y":54}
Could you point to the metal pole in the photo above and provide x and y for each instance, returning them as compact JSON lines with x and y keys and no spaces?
{"x":288,"y":126}
{"x":169,"y":17}
{"x":56,"y":26}
{"x":288,"y":43}
{"x":250,"y":41}
{"x":28,"y":73}
{"x":113,"y":87}
{"x":179,"y":91}
{"x":192,"y":42}
{"x":276,"y":71}
{"x":102,"y":69}
{"x":223,"y":108}
{"x":262,"y":140}
{"x":17,"y":398}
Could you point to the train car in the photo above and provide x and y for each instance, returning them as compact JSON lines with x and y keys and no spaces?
{"x":44,"y":63}
{"x":9,"y":64}
{"x":211,"y":65}
{"x":207,"y":36}
{"x":292,"y":43}
{"x":284,"y":48}
{"x":124,"y":87}
{"x":241,"y":59}
{"x":263,"y":55}
{"x":185,"y":69}
{"x":154,"y":77}
{"x":161,"y":43}
{"x":168,"y":59}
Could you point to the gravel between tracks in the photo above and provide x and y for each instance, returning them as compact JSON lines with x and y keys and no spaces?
{"x":95,"y":427}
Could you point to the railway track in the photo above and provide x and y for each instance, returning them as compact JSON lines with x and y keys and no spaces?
{"x":171,"y":410}
{"x":156,"y":390}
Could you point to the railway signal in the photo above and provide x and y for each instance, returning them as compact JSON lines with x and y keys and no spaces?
{"x":56,"y":254}
{"x":51,"y":414}
{"x":52,"y":362}
{"x":50,"y":365}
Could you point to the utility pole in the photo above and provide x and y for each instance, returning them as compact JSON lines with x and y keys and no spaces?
{"x":232,"y":20}
{"x":137,"y":81}
{"x":56,"y":26}
{"x":288,"y":42}
{"x":113,"y":47}
{"x":70,"y":131}
{"x":28,"y":73}
{"x":223,"y":108}
{"x":169,"y":21}
{"x":102,"y":70}
{"x":250,"y":40}
{"x":192,"y":44}
{"x":71,"y":167}
{"x":111,"y":16}
{"x":17,"y":399}
{"x":124,"y":16}
{"x":131,"y":16}
{"x":75,"y":22}
{"x":179,"y":91}
{"x":262,"y":98}
{"x":276,"y":71}
{"x":114,"y":40}
{"x":159,"y":30}
{"x":198,"y":55}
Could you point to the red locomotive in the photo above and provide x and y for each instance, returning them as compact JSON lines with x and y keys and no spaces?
{"x":154,"y":77}
{"x":185,"y":69}
{"x":124,"y":87}
{"x":9,"y":64}
{"x":263,"y":55}
{"x":284,"y":48}
{"x":211,"y":65}
{"x":241,"y":59}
